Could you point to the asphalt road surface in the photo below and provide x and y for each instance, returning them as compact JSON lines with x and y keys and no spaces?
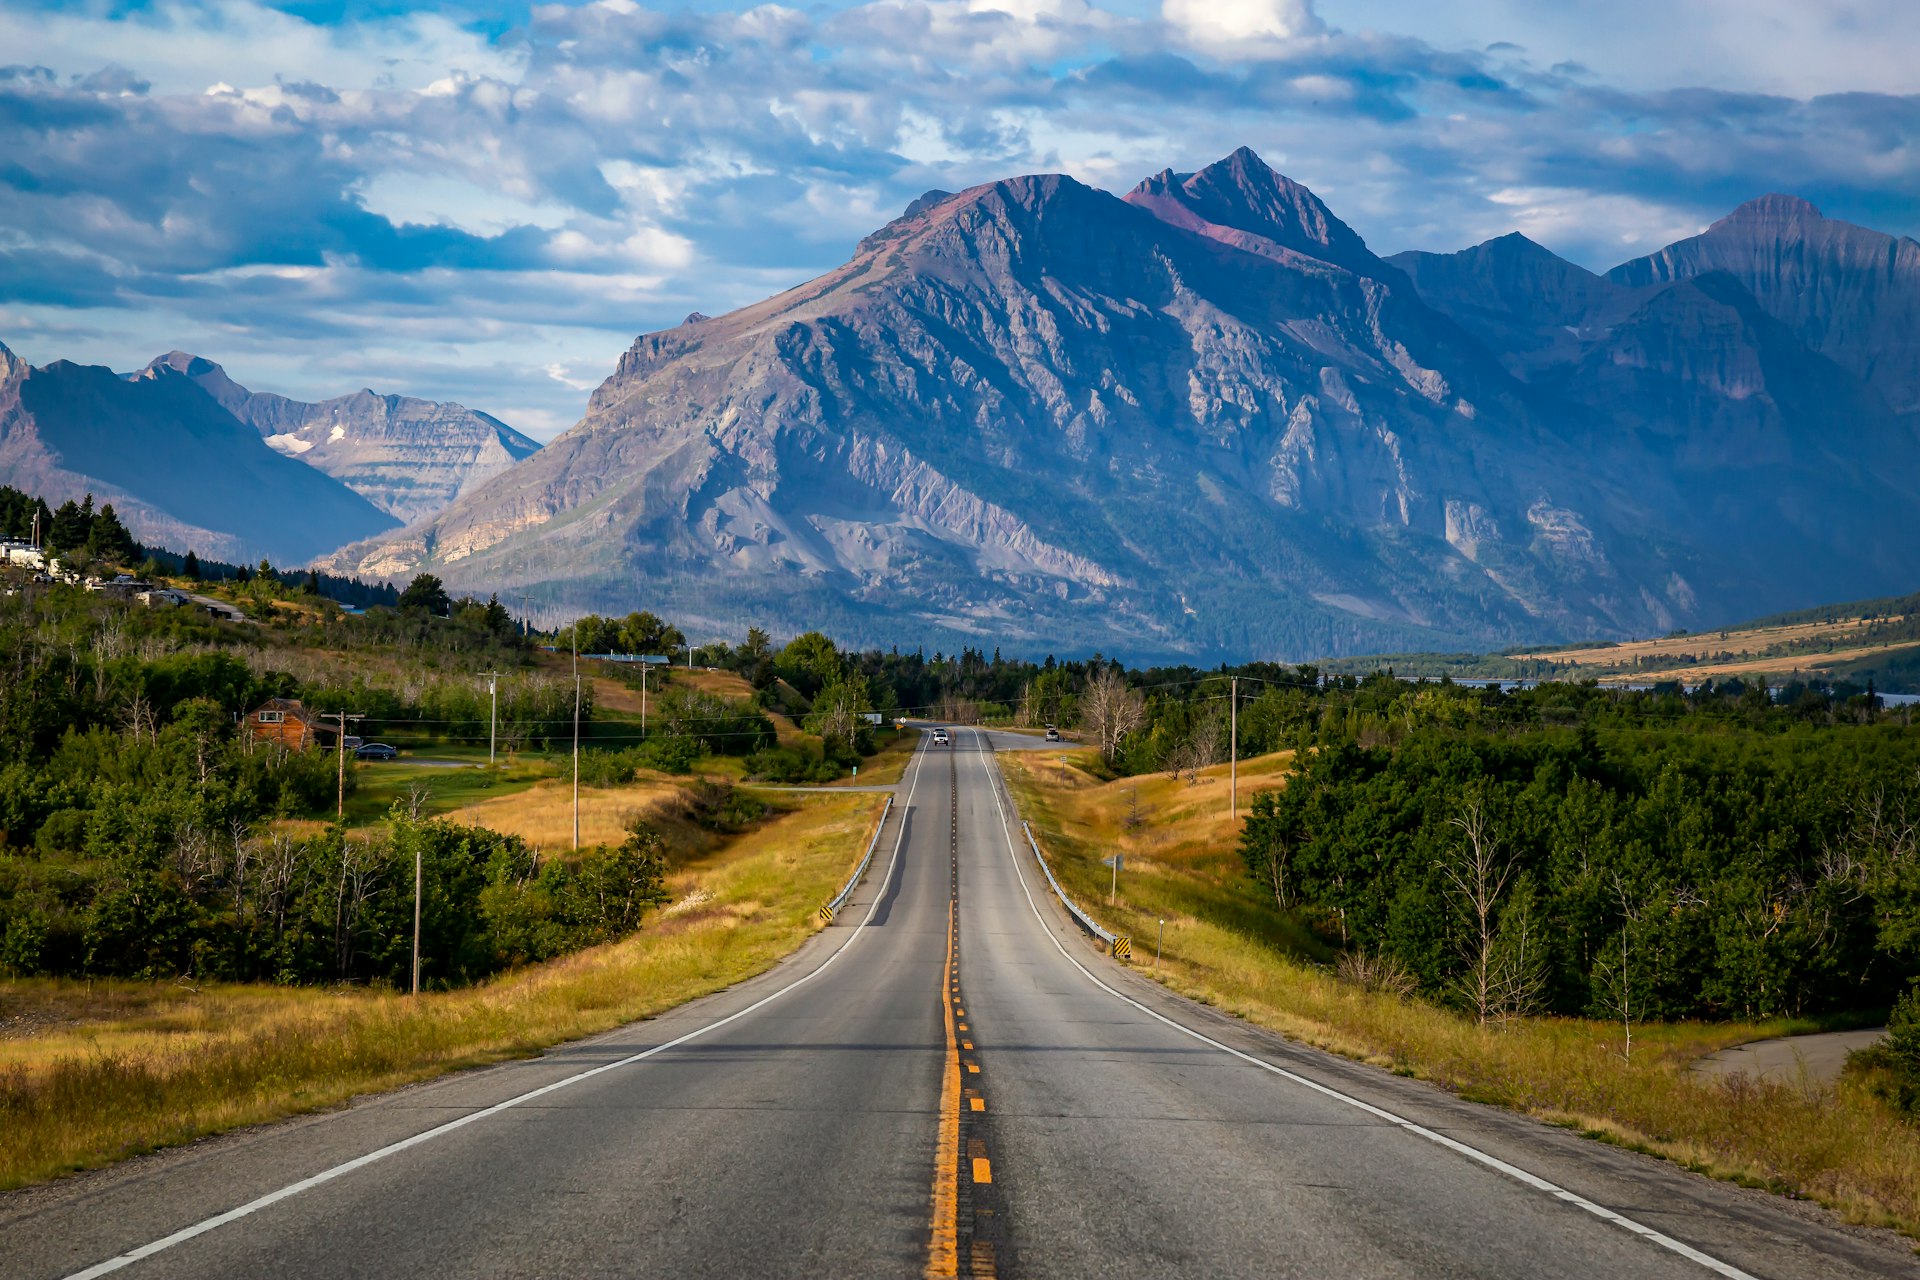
{"x":950,"y":1080}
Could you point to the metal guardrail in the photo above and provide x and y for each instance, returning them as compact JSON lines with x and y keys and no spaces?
{"x":1080,"y":917}
{"x":861,"y":870}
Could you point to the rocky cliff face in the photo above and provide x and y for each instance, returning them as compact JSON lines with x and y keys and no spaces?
{"x":408,"y":457}
{"x":1850,"y":293}
{"x":1201,"y":419}
{"x":182,"y":471}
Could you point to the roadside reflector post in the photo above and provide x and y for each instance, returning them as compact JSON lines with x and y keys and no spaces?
{"x":1157,"y":942}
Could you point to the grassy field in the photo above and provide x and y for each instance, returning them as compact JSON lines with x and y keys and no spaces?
{"x":1228,"y":947}
{"x":378,"y":785}
{"x":94,"y":1072}
{"x":1740,"y":642}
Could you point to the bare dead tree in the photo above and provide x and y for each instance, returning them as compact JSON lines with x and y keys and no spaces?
{"x":280,"y":868}
{"x":1617,"y":975}
{"x":1111,"y":711}
{"x":1477,"y":876}
{"x":360,"y":867}
{"x":1519,"y":979}
{"x":195,"y":856}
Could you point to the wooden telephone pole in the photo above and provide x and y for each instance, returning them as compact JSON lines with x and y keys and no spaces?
{"x":1233,"y":752}
{"x":340,"y":799}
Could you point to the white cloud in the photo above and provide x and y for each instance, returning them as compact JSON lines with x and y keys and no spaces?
{"x":1795,"y":47}
{"x":423,"y":202}
{"x":1235,"y":28}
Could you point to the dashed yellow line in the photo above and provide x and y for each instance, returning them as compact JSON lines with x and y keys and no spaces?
{"x":982,"y":1170}
{"x":943,"y":1249}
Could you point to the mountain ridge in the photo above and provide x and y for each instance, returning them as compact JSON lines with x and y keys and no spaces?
{"x":1201,"y":418}
{"x":181,"y":471}
{"x":407,"y":456}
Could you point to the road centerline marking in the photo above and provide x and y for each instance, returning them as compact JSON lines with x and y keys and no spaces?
{"x":1480,"y":1157}
{"x":943,"y":1247}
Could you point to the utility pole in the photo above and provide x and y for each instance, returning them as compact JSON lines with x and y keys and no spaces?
{"x":576,"y":736}
{"x":1233,"y":754}
{"x":340,"y":800}
{"x":417,"y":882}
{"x":493,"y":713}
{"x":643,"y":697}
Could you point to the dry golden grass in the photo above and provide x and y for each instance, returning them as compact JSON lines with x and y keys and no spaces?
{"x":542,"y":815}
{"x":106,"y":1073}
{"x":1227,"y":946}
{"x":724,"y":683}
{"x":611,"y":695}
{"x":1792,"y":665}
{"x":1742,"y":643}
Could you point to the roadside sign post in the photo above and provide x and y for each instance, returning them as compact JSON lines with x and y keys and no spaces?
{"x":1113,"y":890}
{"x":1157,"y":943}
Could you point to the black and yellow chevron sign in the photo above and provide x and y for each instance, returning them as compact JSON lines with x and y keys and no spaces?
{"x":1122,"y":947}
{"x":826,"y":915}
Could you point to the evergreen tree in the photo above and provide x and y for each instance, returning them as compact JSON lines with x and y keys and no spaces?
{"x":68,"y":529}
{"x":190,"y":567}
{"x":426,"y":592}
{"x":109,"y":540}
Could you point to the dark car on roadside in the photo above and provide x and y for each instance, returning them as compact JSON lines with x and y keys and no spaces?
{"x":374,"y":751}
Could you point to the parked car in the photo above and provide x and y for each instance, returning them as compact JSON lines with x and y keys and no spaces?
{"x":374,"y":751}
{"x":1053,"y":734}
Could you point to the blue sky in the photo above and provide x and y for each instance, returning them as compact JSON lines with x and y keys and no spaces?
{"x":487,"y":204}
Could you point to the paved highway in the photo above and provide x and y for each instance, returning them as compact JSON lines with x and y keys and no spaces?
{"x":948,"y":1081}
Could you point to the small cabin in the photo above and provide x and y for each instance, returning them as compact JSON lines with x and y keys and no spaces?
{"x":289,"y":723}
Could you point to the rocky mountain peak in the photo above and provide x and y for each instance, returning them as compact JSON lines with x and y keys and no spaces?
{"x":186,"y":362}
{"x":1243,"y":194}
{"x":1773,"y":209}
{"x":926,"y":201}
{"x":11,"y":365}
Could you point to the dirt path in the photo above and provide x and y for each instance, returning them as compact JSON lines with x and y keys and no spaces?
{"x":1816,"y":1058}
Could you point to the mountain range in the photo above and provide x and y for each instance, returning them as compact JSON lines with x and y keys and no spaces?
{"x":192,"y":460}
{"x":1204,"y":418}
{"x":407,"y":457}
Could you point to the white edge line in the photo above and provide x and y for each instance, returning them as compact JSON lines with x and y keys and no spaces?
{"x":360,"y":1162}
{"x":1518,"y":1174}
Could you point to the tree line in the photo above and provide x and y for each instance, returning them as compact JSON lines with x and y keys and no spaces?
{"x":1600,"y":854}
